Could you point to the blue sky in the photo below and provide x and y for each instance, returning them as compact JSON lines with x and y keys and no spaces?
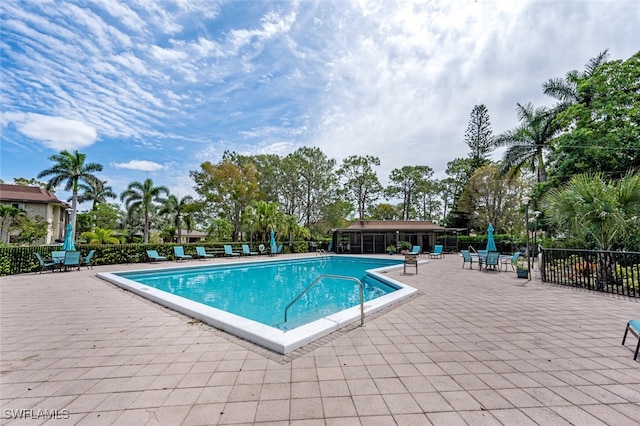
{"x":153,"y":89}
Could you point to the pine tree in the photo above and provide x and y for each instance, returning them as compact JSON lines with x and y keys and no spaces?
{"x":479,"y":136}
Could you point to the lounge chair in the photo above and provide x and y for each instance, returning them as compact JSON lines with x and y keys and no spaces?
{"x":247,"y":251}
{"x":510,"y":260}
{"x":201,"y":253}
{"x":410,"y":260}
{"x":492,"y":261}
{"x":437,"y":252}
{"x":72,"y":260}
{"x":228,"y":251}
{"x":44,"y":265}
{"x":634,"y":327}
{"x":466,"y":257}
{"x":153,"y":256}
{"x":415,"y":250}
{"x":178,"y":252}
{"x":89,"y":259}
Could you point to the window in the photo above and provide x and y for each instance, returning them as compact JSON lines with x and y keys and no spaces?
{"x":18,"y":206}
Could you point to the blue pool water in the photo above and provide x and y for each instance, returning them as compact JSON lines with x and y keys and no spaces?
{"x":261,"y":291}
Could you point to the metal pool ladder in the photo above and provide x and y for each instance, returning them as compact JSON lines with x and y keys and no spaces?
{"x":340,"y":277}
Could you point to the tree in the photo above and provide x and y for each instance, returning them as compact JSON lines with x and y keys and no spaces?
{"x":489,"y":198}
{"x":100,"y":236}
{"x":270,"y":176}
{"x":384,"y":211}
{"x":31,"y":230}
{"x":458,"y":171}
{"x":97,"y":192}
{"x":265,"y":215}
{"x":229,"y":187}
{"x":71,"y":170}
{"x":140,"y":196}
{"x":8,"y":215}
{"x":428,"y":200}
{"x":220,"y":229}
{"x":601,"y":129}
{"x":478,"y":136}
{"x":595,"y":209}
{"x":528,"y":143}
{"x":360,"y":182}
{"x":316,"y":182}
{"x":30,"y":182}
{"x":175,"y":209}
{"x":566,"y":90}
{"x":404,"y":183}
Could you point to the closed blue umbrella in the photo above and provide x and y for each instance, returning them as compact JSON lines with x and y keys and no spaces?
{"x":273,"y":242}
{"x":68,"y":239}
{"x":491,"y":245}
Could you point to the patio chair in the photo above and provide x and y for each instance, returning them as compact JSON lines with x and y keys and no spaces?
{"x":71,"y":260}
{"x":415,"y":250}
{"x":44,"y":265}
{"x":634,"y":327}
{"x":247,"y":251}
{"x":410,"y":260}
{"x":492,"y":261}
{"x":228,"y":251}
{"x":153,"y":256}
{"x":466,"y":257}
{"x":261,"y":248}
{"x":437,"y":252}
{"x":201,"y":253}
{"x":178,"y":252}
{"x":510,"y":260}
{"x":89,"y":259}
{"x":58,"y":256}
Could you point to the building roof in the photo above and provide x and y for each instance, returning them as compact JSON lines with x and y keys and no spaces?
{"x":393,"y":225}
{"x":27,"y":194}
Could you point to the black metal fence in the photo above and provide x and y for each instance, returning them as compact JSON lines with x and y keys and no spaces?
{"x":614,"y":272}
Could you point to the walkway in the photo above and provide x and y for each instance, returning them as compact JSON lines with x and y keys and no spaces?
{"x":472,"y":348}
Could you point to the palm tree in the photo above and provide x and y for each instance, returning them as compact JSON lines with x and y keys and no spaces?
{"x":175,"y":208}
{"x":593,"y":208}
{"x":266,"y":217}
{"x":141,"y":196}
{"x":527,"y":143}
{"x":566,"y":90}
{"x":188,"y":223}
{"x":97,"y":193}
{"x":100,"y":236}
{"x":71,"y":170}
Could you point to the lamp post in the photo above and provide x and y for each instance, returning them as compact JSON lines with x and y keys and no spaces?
{"x":526,"y":200}
{"x":535,"y":233}
{"x":511,"y":234}
{"x":397,"y":241}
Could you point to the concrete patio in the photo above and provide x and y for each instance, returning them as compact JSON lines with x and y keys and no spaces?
{"x":472,"y":347}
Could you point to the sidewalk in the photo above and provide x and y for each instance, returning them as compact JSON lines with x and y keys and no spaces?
{"x":472,"y":348}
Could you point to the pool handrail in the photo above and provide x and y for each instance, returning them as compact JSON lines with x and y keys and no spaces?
{"x":341,"y":277}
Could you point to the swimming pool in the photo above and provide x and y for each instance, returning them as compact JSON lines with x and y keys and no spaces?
{"x":249,"y":299}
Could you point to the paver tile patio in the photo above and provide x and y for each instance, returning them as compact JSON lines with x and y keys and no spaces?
{"x":471,"y":348}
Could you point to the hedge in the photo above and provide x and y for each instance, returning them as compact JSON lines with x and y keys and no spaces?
{"x":19,"y":259}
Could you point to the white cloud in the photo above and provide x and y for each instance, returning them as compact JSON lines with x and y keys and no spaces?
{"x":142,"y":165}
{"x":56,"y":133}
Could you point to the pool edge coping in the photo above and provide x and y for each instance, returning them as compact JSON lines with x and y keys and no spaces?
{"x":280,"y":341}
